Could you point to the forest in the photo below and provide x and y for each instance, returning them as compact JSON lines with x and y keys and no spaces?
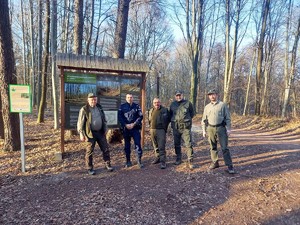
{"x":246,"y":49}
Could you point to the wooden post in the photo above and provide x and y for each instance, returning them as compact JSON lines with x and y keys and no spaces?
{"x":62,"y":110}
{"x":143,"y":107}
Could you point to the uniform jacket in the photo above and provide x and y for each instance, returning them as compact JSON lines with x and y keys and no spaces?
{"x":216,"y":113}
{"x":181,"y":114}
{"x":163,"y":118}
{"x":85,"y":120}
{"x":128,"y":114}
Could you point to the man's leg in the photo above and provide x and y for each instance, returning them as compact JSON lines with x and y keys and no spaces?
{"x":154,"y":137}
{"x":223,"y":139}
{"x":102,"y":142}
{"x":137,"y":146}
{"x":127,"y":139}
{"x":89,"y":156}
{"x":212,"y":139}
{"x":161,"y":140}
{"x":177,"y":144}
{"x":186,"y":136}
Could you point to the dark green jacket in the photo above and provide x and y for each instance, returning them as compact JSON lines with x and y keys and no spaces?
{"x":181,"y":114}
{"x":85,"y":120}
{"x":163,"y":118}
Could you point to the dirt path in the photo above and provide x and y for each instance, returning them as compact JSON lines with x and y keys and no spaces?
{"x":265,"y":191}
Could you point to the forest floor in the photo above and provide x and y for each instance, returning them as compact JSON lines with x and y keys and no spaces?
{"x":266,"y":189}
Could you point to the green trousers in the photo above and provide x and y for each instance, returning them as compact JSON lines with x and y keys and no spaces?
{"x":158,"y":137}
{"x":184,"y":134}
{"x":216,"y":134}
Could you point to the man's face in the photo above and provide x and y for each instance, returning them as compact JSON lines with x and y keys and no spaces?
{"x":156,"y":103}
{"x":129,"y":98}
{"x":178,"y":97}
{"x":92,"y":101}
{"x":213,"y":97}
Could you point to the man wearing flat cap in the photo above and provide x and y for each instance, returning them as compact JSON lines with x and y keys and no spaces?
{"x":91,"y":127}
{"x":182,"y":113}
{"x":216,"y":125}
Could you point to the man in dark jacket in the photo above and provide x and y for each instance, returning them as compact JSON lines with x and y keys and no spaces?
{"x":91,"y":127}
{"x":159,"y":119}
{"x":182,"y":113}
{"x":130,"y":117}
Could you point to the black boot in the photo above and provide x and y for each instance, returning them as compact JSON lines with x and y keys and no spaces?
{"x":140,"y":164}
{"x":108,"y":166}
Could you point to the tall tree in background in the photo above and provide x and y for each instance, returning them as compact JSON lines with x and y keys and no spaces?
{"x":45,"y":67}
{"x":289,"y":79}
{"x":230,"y":55}
{"x":78,"y":26}
{"x":121,"y":29}
{"x":260,"y":55}
{"x":7,"y":76}
{"x":53,"y":61}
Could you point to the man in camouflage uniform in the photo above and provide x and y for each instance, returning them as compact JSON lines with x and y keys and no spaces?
{"x":159,"y":119}
{"x":216,"y":124}
{"x":182,"y":113}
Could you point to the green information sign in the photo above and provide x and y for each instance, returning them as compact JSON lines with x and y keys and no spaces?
{"x":20,"y":98}
{"x":80,"y":78}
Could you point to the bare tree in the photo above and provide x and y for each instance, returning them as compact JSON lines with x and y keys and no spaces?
{"x":53,"y":62}
{"x":291,"y":76}
{"x":42,"y":105}
{"x":121,"y":29}
{"x":78,"y":26}
{"x":260,"y":54}
{"x":7,"y":76}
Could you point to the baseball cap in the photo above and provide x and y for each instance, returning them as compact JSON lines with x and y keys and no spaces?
{"x":91,"y":95}
{"x":212,"y":91}
{"x":178,"y":92}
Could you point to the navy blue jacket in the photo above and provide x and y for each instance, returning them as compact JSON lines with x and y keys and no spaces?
{"x":130,"y":114}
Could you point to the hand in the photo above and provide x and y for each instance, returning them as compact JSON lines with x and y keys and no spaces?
{"x":82,"y":137}
{"x":204,"y":133}
{"x":228,"y":132}
{"x":129,"y":126}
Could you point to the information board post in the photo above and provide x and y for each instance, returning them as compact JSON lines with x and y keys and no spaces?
{"x":20,"y":102}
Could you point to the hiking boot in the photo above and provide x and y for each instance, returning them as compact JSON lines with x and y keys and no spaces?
{"x":190,"y":165}
{"x":128,"y":164}
{"x":214,"y":165}
{"x":156,"y":160}
{"x":178,"y":161}
{"x":139,"y":162}
{"x":108,"y":166}
{"x":231,"y":170}
{"x":163,"y":165}
{"x":91,"y":172}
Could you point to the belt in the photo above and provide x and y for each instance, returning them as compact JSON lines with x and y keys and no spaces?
{"x":218,"y":125}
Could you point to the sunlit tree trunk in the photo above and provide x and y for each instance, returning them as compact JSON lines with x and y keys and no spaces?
{"x":32,"y":74}
{"x":45,"y":66}
{"x":53,"y":62}
{"x":290,"y":81}
{"x":88,"y":44}
{"x":121,"y":29}
{"x":260,"y":48}
{"x":230,"y":58}
{"x":7,"y":76}
{"x":249,"y":83}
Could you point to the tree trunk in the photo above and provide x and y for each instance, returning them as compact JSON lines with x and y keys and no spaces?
{"x":53,"y":62}
{"x":249,"y":82}
{"x":32,"y":55}
{"x":45,"y":66}
{"x":7,"y":76}
{"x":40,"y":52}
{"x":260,"y":48}
{"x":88,"y":44}
{"x":121,"y":29}
{"x":78,"y":26}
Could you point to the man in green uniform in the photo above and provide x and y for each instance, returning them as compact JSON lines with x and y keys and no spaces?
{"x":159,"y":119}
{"x":91,"y":127}
{"x":182,"y":113}
{"x":216,"y":124}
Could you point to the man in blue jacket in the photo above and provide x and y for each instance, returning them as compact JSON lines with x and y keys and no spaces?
{"x":130,"y":117}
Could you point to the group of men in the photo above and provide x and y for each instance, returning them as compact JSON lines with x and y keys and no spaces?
{"x":216,"y":125}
